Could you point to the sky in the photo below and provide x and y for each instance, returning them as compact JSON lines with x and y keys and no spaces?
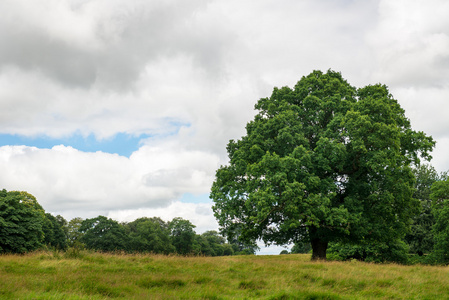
{"x":124,"y":108}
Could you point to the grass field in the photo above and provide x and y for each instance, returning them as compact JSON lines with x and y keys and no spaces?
{"x":47,"y":275}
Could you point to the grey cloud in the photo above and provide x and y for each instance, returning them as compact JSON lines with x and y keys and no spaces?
{"x":125,"y":39}
{"x":37,"y":51}
{"x":203,"y":210}
{"x":168,"y":177}
{"x":166,"y":30}
{"x":411,"y":50}
{"x":182,"y":179}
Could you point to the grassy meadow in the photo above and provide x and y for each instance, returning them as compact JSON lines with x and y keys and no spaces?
{"x":87,"y":275}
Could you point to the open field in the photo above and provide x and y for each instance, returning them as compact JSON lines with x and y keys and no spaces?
{"x":47,"y":275}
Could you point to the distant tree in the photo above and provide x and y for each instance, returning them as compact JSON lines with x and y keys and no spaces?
{"x":440,"y":208}
{"x":73,"y":233}
{"x":54,"y":235}
{"x":228,"y":250}
{"x":213,"y":244}
{"x":239,"y":246}
{"x":301,"y":247}
{"x":420,"y":237}
{"x":201,"y":246}
{"x":284,"y":252}
{"x":149,"y":235}
{"x":103,"y":234}
{"x":242,"y":248}
{"x":63,"y":224}
{"x":324,"y":161}
{"x":182,"y":235}
{"x":21,"y":222}
{"x":216,"y":241}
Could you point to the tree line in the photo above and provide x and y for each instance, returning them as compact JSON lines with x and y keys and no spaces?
{"x":25,"y":226}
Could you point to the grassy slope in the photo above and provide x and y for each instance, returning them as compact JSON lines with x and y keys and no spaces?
{"x":101,"y":276}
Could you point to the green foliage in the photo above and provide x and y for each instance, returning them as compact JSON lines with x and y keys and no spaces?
{"x":73,"y":233}
{"x":321,"y":162}
{"x":394,"y":251}
{"x":103,"y":234}
{"x":420,"y":237}
{"x":182,"y":235}
{"x":439,"y":193}
{"x":301,"y":247}
{"x":55,"y":237}
{"x":21,"y":222}
{"x":149,"y":235}
{"x":143,"y":235}
{"x":211,"y":243}
{"x":63,"y":224}
{"x":440,"y":209}
{"x":240,"y":247}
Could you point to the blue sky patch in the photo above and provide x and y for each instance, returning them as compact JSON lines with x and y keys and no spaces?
{"x":122,"y":143}
{"x":191,"y":198}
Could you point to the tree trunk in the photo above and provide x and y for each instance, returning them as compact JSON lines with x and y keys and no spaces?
{"x":319,"y":248}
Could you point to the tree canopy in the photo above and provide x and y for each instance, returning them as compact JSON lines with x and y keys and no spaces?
{"x":103,"y":234}
{"x":54,"y":233}
{"x":420,"y":238}
{"x":150,"y":235}
{"x":21,"y":222}
{"x":182,"y":235}
{"x":321,"y":162}
{"x":440,"y":207}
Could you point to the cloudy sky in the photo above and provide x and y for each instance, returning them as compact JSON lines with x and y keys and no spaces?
{"x":124,"y":107}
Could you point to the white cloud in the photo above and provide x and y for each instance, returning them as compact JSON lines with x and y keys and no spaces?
{"x":66,"y":180}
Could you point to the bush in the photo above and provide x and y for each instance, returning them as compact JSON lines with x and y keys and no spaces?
{"x":379,"y":253}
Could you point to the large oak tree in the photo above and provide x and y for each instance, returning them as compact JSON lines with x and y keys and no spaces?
{"x":321,"y":162}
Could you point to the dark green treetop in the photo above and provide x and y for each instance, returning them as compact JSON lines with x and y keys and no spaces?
{"x":73,"y":233}
{"x":55,"y":235}
{"x":440,"y":208}
{"x":321,"y":162}
{"x":420,"y":238}
{"x":149,"y":235}
{"x":211,"y":243}
{"x":21,"y":222}
{"x":103,"y":234}
{"x":182,"y":235}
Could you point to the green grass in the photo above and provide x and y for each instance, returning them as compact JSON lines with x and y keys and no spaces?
{"x":47,"y":275}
